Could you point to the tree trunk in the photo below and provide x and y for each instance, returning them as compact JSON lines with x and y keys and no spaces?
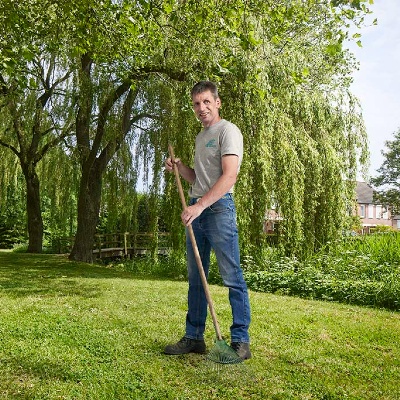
{"x":88,"y":214}
{"x":34,"y":212}
{"x":94,"y":164}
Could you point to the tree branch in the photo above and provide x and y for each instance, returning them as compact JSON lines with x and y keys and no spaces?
{"x":113,"y":146}
{"x":11,"y":147}
{"x":3,"y":86}
{"x":152,"y":69}
{"x":104,"y":111}
{"x":53,"y":143}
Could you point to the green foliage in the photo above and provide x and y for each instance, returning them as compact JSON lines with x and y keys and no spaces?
{"x":9,"y":234}
{"x":12,"y":206}
{"x":388,"y":180}
{"x":11,"y":230}
{"x":354,"y":224}
{"x":283,"y":77}
{"x":310,"y":283}
{"x":382,"y":228}
{"x":59,"y":178}
{"x":172,"y":266}
{"x":362,"y":270}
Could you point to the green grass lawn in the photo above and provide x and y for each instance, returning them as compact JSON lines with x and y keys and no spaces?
{"x":76,"y":331}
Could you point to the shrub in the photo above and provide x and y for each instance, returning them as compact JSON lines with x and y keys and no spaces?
{"x":362,"y":270}
{"x":172,"y":266}
{"x":313,"y":284}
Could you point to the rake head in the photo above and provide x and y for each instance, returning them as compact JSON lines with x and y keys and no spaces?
{"x":222,"y":353}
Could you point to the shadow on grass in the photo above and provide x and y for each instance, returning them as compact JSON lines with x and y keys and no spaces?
{"x":24,"y":274}
{"x":32,"y":369}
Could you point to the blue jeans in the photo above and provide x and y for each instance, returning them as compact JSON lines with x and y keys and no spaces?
{"x":216,"y":228}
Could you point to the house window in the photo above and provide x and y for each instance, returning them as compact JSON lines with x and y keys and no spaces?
{"x":370,"y":211}
{"x":378,"y":212}
{"x":362,"y":210}
{"x":385,"y":213}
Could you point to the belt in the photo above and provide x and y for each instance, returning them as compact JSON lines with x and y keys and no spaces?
{"x":225,"y":196}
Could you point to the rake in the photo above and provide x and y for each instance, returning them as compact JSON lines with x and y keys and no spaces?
{"x":221,"y":352}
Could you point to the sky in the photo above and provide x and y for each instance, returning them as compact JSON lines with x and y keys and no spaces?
{"x":377,"y":82}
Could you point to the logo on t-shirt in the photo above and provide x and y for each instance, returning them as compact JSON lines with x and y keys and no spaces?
{"x":211,"y":143}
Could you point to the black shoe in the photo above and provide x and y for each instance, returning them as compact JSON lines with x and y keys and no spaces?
{"x":186,"y":345}
{"x":242,"y":350}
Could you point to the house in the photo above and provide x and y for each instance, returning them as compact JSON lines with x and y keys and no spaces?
{"x":371,"y":212}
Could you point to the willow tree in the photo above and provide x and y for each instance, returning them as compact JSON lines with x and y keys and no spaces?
{"x":306,"y":131}
{"x":159,"y":44}
{"x":30,"y":134}
{"x":32,"y":91}
{"x":283,"y":77}
{"x":284,"y":80}
{"x":12,"y":201}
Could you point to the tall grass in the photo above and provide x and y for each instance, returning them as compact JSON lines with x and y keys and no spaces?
{"x":362,"y":270}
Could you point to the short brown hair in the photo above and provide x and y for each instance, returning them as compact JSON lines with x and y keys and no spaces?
{"x":203,"y":86}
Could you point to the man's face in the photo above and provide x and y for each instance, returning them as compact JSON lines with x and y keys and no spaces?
{"x":206,"y":108}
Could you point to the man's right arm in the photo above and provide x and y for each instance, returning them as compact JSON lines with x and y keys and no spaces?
{"x":186,"y":172}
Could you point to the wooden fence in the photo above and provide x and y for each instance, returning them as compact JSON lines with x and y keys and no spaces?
{"x":120,"y":244}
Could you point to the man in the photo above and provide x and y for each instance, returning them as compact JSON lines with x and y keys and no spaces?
{"x":212,"y":213}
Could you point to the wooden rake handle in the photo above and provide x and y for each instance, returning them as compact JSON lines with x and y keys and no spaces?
{"x":195,"y":248}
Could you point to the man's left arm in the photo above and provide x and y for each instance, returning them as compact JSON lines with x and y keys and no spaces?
{"x":221,"y":187}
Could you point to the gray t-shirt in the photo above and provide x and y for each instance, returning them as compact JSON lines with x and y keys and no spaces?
{"x":222,"y":138}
